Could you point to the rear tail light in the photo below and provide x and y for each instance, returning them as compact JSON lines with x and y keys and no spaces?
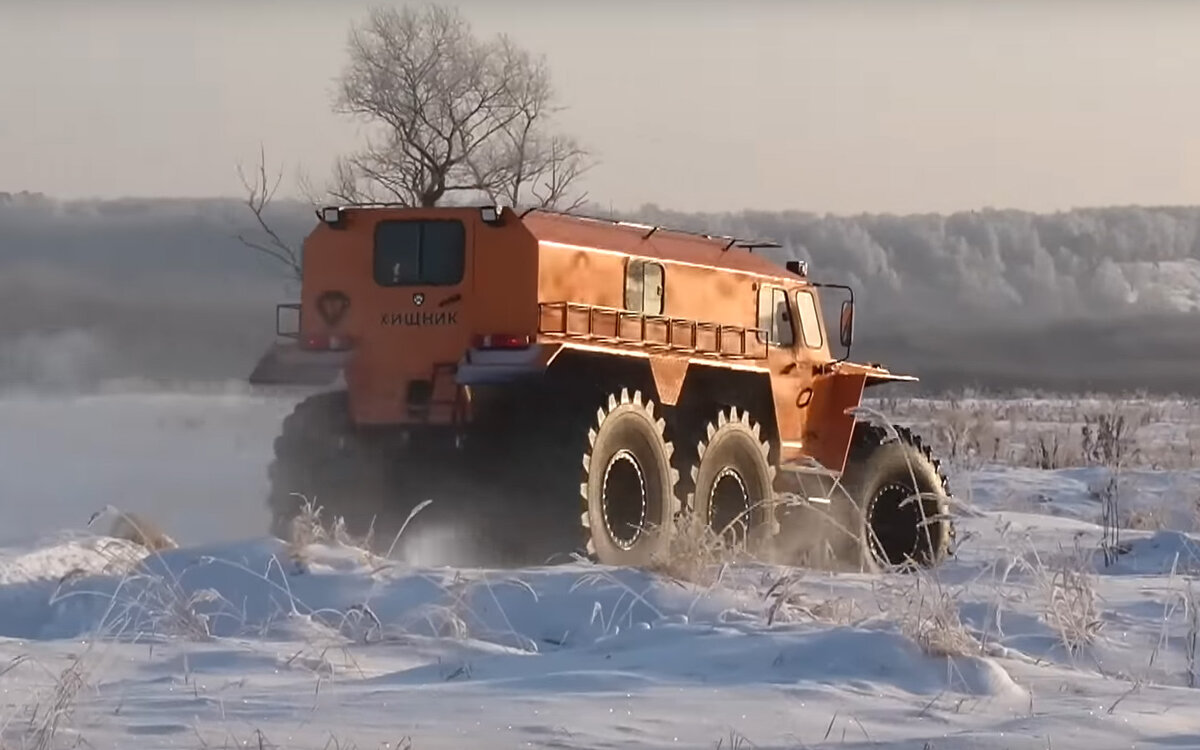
{"x":325,"y":342}
{"x":502,"y":341}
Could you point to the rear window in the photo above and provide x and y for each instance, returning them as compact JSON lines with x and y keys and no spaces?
{"x":419,"y":253}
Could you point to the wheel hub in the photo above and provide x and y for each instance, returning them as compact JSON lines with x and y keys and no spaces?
{"x":893,"y":491}
{"x":894,"y":523}
{"x":623,"y":499}
{"x":728,"y":501}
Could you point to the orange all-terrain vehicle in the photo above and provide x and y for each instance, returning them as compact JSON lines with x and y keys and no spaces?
{"x":564,"y":384}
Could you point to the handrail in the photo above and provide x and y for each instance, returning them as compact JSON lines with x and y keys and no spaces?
{"x":691,"y":336}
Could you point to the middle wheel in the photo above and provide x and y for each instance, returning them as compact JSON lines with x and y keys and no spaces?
{"x":629,"y":483}
{"x":734,"y":482}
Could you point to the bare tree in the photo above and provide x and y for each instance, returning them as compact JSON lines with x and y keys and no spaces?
{"x":453,"y":115}
{"x":259,"y":192}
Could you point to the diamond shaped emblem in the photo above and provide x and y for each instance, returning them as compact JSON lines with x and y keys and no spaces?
{"x":332,"y":306}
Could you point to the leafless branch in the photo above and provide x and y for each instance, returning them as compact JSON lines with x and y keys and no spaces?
{"x":259,"y":192}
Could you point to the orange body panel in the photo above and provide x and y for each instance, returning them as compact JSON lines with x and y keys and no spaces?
{"x":829,"y":428}
{"x":566,"y":282}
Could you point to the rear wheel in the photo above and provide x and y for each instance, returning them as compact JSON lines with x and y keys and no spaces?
{"x":734,"y":482}
{"x":628,"y":483}
{"x":321,"y":458}
{"x":501,"y":497}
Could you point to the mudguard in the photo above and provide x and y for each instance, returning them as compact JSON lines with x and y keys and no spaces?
{"x":497,"y":367}
{"x":829,"y":429}
{"x":875,"y":374}
{"x":839,"y":388}
{"x":285,"y":363}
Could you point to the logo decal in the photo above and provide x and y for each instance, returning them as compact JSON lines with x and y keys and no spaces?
{"x":332,"y":306}
{"x":424,"y":319}
{"x":419,"y":319}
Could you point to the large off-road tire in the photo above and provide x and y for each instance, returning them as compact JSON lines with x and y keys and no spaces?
{"x":628,"y":483}
{"x":733,"y":480}
{"x":321,"y":458}
{"x":883,"y":478}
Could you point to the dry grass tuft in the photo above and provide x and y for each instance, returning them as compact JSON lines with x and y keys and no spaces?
{"x":1057,"y":432}
{"x":49,"y":719}
{"x":787,"y":604}
{"x":309,"y":528}
{"x":1192,"y":639}
{"x":1070,"y":603}
{"x":735,"y":741}
{"x":259,"y":740}
{"x":927,"y":612}
{"x":698,"y":554}
{"x":1071,"y":608}
{"x":1146,"y":519}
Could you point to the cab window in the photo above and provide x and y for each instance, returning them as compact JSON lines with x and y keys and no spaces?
{"x":775,"y":317}
{"x":810,"y":321}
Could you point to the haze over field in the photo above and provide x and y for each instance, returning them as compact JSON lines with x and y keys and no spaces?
{"x":1101,"y":298}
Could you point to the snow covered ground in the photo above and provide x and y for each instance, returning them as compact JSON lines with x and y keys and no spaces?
{"x":1025,"y":640}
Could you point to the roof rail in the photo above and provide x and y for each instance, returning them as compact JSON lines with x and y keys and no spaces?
{"x":369,"y":204}
{"x":397,"y":204}
{"x":749,"y":245}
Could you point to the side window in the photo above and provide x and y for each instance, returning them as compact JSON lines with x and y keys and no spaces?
{"x":764,"y":313}
{"x":644,"y":287}
{"x":419,"y":253}
{"x":810,"y":321}
{"x":783,"y":333}
{"x":652,"y":289}
{"x":634,"y":285}
{"x":775,"y":316}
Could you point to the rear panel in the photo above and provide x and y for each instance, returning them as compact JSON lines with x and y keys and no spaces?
{"x":404,"y":285}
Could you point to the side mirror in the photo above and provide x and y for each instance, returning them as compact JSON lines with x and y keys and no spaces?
{"x":847,"y":324}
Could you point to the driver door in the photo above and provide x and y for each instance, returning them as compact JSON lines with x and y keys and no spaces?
{"x":791,"y":378}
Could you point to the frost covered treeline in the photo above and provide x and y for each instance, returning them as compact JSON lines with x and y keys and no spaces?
{"x":1104,"y":297}
{"x":1001,"y":265}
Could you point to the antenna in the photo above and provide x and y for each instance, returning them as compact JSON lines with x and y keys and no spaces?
{"x":753,"y":245}
{"x":750,"y":245}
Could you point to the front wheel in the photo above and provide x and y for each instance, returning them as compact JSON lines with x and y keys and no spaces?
{"x":628,"y":485}
{"x":901,"y":500}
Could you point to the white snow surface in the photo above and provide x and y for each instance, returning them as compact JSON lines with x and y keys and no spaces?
{"x":237,"y":640}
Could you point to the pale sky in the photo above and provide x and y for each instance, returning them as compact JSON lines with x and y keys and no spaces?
{"x":845,"y":107}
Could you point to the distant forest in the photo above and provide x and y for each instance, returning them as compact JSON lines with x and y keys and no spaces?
{"x":1103,"y":299}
